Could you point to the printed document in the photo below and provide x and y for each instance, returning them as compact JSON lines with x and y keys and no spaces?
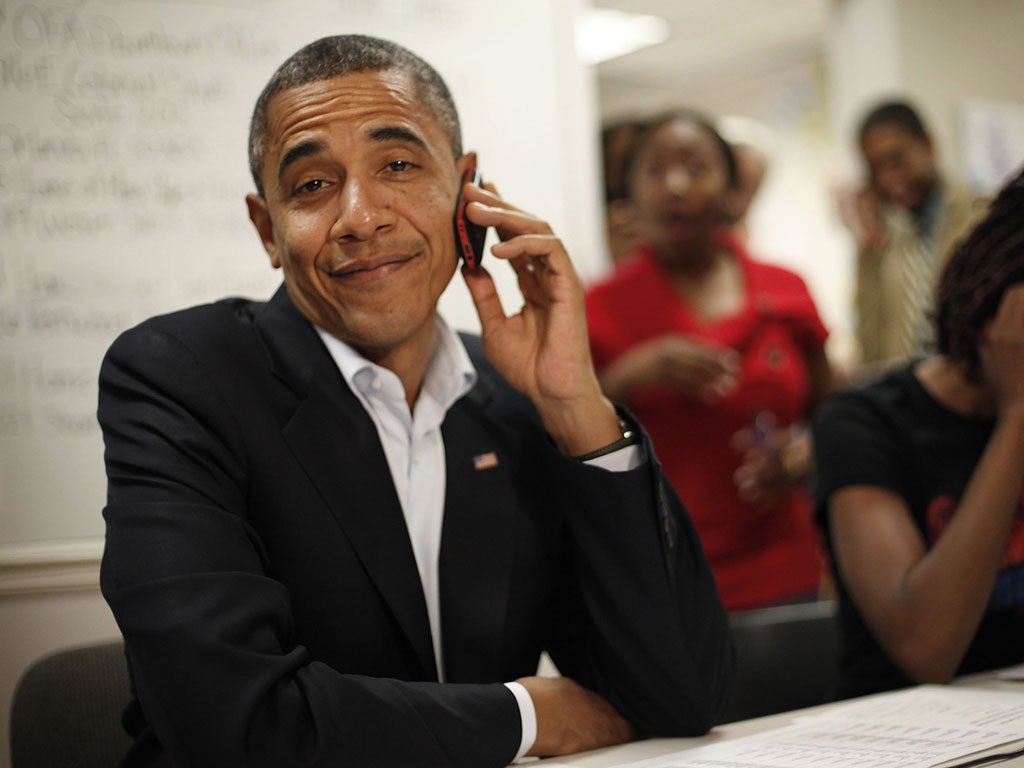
{"x":919,"y":727}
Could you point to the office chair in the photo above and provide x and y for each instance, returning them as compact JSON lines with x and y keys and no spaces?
{"x":66,"y":709}
{"x":786,"y":658}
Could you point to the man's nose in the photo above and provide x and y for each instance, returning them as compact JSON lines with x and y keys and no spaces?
{"x":362,"y":210}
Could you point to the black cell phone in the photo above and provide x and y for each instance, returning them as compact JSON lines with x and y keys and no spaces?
{"x":469,"y":237}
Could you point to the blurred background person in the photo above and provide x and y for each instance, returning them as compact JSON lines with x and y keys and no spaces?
{"x":620,"y":221}
{"x":721,"y":357}
{"x":919,"y":483}
{"x":905,"y":221}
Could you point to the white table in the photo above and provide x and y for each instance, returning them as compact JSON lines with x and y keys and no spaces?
{"x":603,"y":758}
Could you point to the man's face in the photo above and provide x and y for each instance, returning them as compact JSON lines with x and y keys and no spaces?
{"x":360,"y":186}
{"x":901,"y":165}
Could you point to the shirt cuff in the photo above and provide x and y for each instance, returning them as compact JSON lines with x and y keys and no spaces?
{"x":528,"y":716}
{"x":627,"y":458}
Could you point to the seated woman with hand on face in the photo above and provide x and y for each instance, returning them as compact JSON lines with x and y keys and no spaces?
{"x":721,"y":357}
{"x":920,"y":477}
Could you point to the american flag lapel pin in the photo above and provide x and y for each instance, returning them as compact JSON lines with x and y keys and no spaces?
{"x":487,"y":460}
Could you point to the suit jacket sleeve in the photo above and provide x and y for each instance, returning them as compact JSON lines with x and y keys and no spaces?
{"x":209,"y":636}
{"x":651,"y":634}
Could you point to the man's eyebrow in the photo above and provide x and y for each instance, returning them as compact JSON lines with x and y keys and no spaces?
{"x":396,"y":133}
{"x":305,"y":149}
{"x":383,"y":134}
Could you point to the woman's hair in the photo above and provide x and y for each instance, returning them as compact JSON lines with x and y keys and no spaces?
{"x":650,"y":126}
{"x":983,"y":265}
{"x":617,"y":141}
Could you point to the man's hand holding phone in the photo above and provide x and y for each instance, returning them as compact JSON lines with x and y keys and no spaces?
{"x":542,"y":350}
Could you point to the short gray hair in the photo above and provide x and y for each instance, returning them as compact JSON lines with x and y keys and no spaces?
{"x":331,"y":57}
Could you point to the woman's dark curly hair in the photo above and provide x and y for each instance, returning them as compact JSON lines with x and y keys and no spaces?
{"x":987,"y":262}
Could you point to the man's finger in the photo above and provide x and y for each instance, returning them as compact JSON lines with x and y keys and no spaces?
{"x":542,"y":253}
{"x":507,"y":220}
{"x":485,"y":296}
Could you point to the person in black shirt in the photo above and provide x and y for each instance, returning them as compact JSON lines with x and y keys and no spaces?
{"x":919,"y":484}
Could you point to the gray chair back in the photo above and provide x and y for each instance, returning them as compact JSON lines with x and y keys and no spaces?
{"x":66,"y":709}
{"x":786,"y":658}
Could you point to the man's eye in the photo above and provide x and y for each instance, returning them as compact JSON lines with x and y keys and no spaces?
{"x":399,"y":165}
{"x":312,"y":186}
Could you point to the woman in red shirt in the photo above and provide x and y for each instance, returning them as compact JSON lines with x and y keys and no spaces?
{"x":722,"y":358}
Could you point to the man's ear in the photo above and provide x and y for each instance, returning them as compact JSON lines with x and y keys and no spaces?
{"x":259,"y":215}
{"x":463,"y":163}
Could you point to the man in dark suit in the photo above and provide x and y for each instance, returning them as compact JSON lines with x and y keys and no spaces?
{"x":340,"y":533}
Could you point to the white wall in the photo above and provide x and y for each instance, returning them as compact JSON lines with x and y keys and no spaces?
{"x":958,"y":52}
{"x":941,"y":54}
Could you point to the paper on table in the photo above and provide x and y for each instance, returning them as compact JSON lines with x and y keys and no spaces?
{"x":915,"y":728}
{"x":938,"y":704}
{"x":1012,"y":673}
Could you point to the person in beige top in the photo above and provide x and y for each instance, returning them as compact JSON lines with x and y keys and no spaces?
{"x":908,"y":218}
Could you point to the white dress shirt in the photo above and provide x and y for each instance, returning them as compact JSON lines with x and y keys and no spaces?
{"x":415,"y":453}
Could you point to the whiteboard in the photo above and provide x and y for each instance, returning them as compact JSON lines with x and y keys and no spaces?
{"x":992,"y":139}
{"x":123,"y":172}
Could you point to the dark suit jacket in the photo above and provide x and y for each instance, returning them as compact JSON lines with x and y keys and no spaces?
{"x":258,"y":563}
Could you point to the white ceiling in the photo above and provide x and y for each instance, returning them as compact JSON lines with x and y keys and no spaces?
{"x":713,"y":44}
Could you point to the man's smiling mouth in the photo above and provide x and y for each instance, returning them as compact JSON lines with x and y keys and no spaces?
{"x":361,"y":271}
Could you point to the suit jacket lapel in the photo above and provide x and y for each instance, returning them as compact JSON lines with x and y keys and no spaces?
{"x":477,"y":540}
{"x":336,"y":442}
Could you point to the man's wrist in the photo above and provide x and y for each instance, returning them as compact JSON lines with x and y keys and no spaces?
{"x":582,"y":427}
{"x":527,"y":716}
{"x":628,"y":437}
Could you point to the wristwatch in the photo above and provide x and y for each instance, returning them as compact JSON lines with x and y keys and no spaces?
{"x":629,"y":437}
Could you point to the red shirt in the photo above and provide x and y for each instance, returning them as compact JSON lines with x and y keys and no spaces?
{"x":761,"y":554}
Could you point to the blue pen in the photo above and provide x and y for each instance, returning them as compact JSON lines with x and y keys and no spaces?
{"x":764,"y":425}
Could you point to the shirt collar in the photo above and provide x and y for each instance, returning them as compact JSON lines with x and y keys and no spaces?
{"x":927,"y":216}
{"x":450,"y":372}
